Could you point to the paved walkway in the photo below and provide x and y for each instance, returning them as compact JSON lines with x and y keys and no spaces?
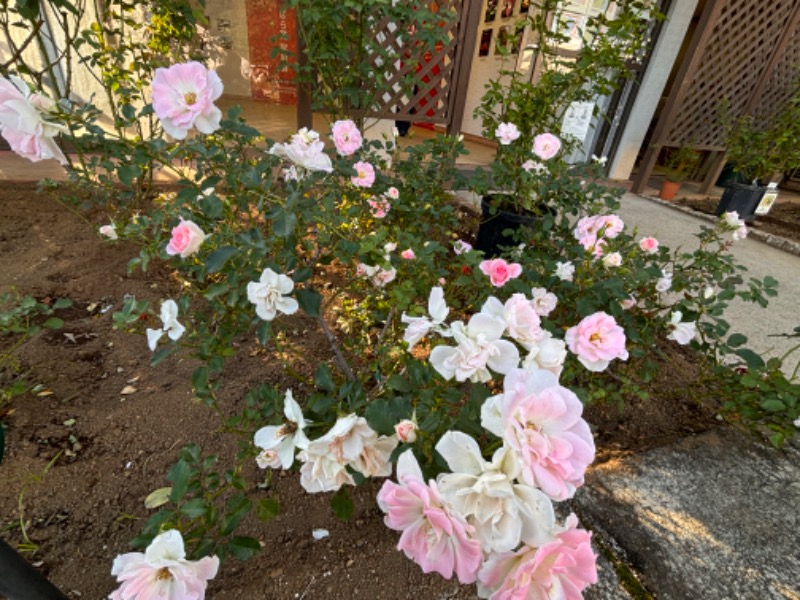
{"x":712,"y":517}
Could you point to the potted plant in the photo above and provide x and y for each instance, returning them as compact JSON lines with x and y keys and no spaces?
{"x":680,"y":162}
{"x":759,"y":154}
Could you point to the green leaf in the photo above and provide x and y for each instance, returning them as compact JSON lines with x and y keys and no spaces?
{"x":196,"y":507}
{"x":736,"y":340}
{"x":284,"y":223}
{"x":323,"y":378}
{"x":179,"y":476}
{"x":217,"y":259}
{"x":302,"y":274}
{"x":28,"y":9}
{"x":399,"y":384}
{"x":62,"y":303}
{"x":753,"y":360}
{"x":157,"y":497}
{"x":264,"y":332}
{"x":161,"y":354}
{"x":244,"y":547}
{"x":773,"y":405}
{"x":267,"y":509}
{"x":310,"y":301}
{"x":127,"y":173}
{"x":342,"y":504}
{"x":53,"y":323}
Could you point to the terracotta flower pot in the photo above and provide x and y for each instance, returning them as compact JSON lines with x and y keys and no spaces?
{"x":669,"y":189}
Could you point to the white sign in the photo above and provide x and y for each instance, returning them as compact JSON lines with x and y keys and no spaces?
{"x":577,"y":120}
{"x":767,"y":200}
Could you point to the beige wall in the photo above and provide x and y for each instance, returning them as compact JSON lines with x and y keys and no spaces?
{"x":227,"y":21}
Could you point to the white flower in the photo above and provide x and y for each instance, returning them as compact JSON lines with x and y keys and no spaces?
{"x":460,"y":247}
{"x":732,"y":219}
{"x":665,"y":282}
{"x":282,"y":439}
{"x":547,"y":354}
{"x":544,"y":302}
{"x":506,"y":133}
{"x":565,"y":271}
{"x":614,"y":259}
{"x":169,"y":317}
{"x":709,"y":292}
{"x":305,"y":150}
{"x":740,"y":233}
{"x":796,"y":423}
{"x":269,"y":295}
{"x":479,"y":347}
{"x":503,"y":513}
{"x":523,"y":323}
{"x":110,"y":231}
{"x":418,"y":327}
{"x":683,"y":333}
{"x":406,"y":431}
{"x":533,"y":166}
{"x":377,"y":275}
{"x":601,"y":160}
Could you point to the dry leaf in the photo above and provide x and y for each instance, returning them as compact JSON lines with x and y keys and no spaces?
{"x":127,"y":390}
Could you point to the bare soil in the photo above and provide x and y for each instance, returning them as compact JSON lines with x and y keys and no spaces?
{"x":782,"y":220}
{"x":82,"y":456}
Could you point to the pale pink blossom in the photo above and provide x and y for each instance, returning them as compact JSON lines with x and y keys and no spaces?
{"x":346,"y":137}
{"x":732,"y":219}
{"x":502,"y":511}
{"x":547,"y":354}
{"x":543,"y":302}
{"x":305,"y":150}
{"x":608,"y":226}
{"x":560,"y":569}
{"x":664,"y":283}
{"x":500,"y":271}
{"x":379,"y":207}
{"x":270,"y":294}
{"x":546,"y":146}
{"x":186,"y":239}
{"x":628,"y":303}
{"x":408,"y":254}
{"x":506,"y":133}
{"x":565,"y":271}
{"x":284,"y":438}
{"x":23,"y":122}
{"x":479,"y":348}
{"x":541,"y":422}
{"x":393,"y":193}
{"x":418,"y":327}
{"x":597,"y":340}
{"x":523,"y":323}
{"x":460,"y":247}
{"x":406,"y":431}
{"x":162,"y":571}
{"x":614,"y":259}
{"x":594,"y":245}
{"x":533,"y":166}
{"x":682,"y":332}
{"x":377,"y":275}
{"x":436,"y":538}
{"x":365,"y":174}
{"x":183,"y":97}
{"x":109,"y":231}
{"x":649,"y":245}
{"x":740,"y":233}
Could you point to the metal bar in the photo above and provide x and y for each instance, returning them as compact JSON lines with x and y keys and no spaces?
{"x":20,"y":581}
{"x":683,"y":80}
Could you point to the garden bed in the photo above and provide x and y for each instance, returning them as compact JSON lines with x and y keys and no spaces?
{"x":101,"y":428}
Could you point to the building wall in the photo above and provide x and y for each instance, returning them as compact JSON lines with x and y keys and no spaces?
{"x":227,"y":22}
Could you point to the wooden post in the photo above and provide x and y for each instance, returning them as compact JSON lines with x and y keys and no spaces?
{"x":716,"y":162}
{"x":645,"y":169}
{"x":467,"y":39}
{"x":305,"y":118}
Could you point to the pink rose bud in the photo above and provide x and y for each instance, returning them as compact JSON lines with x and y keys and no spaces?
{"x":500,"y":271}
{"x":109,"y":231}
{"x":186,"y":239}
{"x":649,"y":245}
{"x":408,"y":254}
{"x":406,"y":431}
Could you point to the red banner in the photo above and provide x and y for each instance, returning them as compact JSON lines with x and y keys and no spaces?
{"x":267,"y":27}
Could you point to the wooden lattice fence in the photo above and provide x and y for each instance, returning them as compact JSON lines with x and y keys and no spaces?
{"x":742,"y":51}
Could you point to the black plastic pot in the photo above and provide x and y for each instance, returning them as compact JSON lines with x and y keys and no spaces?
{"x":728,"y":177}
{"x":498,"y":228}
{"x":741,"y":198}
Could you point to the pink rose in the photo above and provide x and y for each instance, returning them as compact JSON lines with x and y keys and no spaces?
{"x":649,"y":245}
{"x":380,"y":207}
{"x":506,"y":133}
{"x":406,"y":431}
{"x":460,"y":247}
{"x":499,"y":271}
{"x":546,"y":146}
{"x":365,"y":175}
{"x":186,"y":239}
{"x":562,"y":568}
{"x":23,"y":125}
{"x":597,"y":340}
{"x":435,"y":537}
{"x":110,"y":231}
{"x":183,"y":97}
{"x":408,"y":254}
{"x":346,"y":137}
{"x":608,"y":226}
{"x":522,"y":321}
{"x":393,"y":193}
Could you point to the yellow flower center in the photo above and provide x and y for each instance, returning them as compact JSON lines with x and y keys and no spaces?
{"x":163,"y":574}
{"x":190,"y":98}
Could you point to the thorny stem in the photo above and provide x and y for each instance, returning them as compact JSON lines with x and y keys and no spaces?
{"x":340,"y":360}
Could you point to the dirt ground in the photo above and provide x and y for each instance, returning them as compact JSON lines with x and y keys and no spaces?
{"x":109,"y":450}
{"x":782,"y":220}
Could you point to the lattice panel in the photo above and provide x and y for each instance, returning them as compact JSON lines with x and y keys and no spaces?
{"x":420,"y":79}
{"x":736,"y":55}
{"x":782,"y":84}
